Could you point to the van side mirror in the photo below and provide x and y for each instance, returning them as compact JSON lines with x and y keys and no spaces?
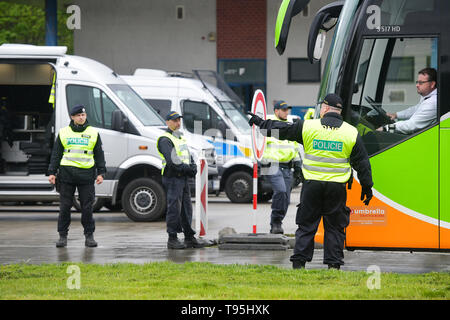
{"x":213,"y":133}
{"x":222,"y":127}
{"x":118,"y":121}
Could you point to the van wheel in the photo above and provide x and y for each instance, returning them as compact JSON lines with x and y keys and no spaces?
{"x":239,"y":187}
{"x":144,"y":200}
{"x":96,"y":206}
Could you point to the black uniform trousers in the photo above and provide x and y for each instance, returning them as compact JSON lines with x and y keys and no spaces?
{"x":281,"y":182}
{"x":322,"y":199}
{"x":179,"y":206}
{"x":86,"y":194}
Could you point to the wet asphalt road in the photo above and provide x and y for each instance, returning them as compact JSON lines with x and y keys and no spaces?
{"x":28,"y":235}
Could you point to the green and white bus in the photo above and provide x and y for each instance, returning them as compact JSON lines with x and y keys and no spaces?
{"x":377,"y":49}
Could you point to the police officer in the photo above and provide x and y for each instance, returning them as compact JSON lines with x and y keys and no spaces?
{"x":280,"y":157}
{"x":78,"y":160}
{"x":332,"y":148}
{"x":178,"y":167}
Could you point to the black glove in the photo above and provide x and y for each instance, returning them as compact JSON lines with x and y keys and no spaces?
{"x":57,"y":184}
{"x":193,"y":169}
{"x":296,"y":182}
{"x":350,"y":182}
{"x":254,"y":120}
{"x":187,"y":171}
{"x":298,"y":176}
{"x":367,"y":193}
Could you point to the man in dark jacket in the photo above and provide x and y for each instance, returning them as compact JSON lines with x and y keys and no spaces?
{"x":77,"y":160}
{"x":178,"y":167}
{"x":332,"y":148}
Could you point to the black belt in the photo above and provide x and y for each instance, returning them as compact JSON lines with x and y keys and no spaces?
{"x":287,"y":165}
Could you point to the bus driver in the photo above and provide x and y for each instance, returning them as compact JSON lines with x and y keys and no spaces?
{"x":422,"y":114}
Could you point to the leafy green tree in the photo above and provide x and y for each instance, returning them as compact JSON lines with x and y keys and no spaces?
{"x":22,"y":23}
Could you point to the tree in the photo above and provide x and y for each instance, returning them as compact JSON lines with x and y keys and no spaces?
{"x":22,"y":23}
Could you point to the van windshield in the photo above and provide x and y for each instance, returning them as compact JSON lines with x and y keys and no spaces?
{"x":141,"y":109}
{"x":236,"y":115}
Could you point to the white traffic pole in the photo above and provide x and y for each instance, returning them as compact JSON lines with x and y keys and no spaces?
{"x":258,"y":146}
{"x":255,"y":194}
{"x":201,"y":197}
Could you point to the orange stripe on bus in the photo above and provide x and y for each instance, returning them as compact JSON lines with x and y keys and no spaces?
{"x":393,"y":230}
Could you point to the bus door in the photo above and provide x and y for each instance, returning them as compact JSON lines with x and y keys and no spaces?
{"x":404,"y":212}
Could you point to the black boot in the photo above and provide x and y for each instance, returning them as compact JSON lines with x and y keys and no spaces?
{"x":336,"y":266}
{"x":298,"y":264}
{"x":276,"y":228}
{"x":192,"y":242}
{"x":174,"y":243}
{"x":62,"y":242}
{"x":90,"y":242}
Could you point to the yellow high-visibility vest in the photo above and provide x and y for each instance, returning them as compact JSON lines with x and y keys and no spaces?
{"x":78,"y":147}
{"x":181,"y":149}
{"x":51,"y":99}
{"x":327,"y":151}
{"x":281,"y":151}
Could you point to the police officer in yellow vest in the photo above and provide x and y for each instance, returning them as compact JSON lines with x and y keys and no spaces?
{"x":77,"y":160}
{"x":280,"y":157}
{"x":332,"y":148}
{"x":178,"y":167}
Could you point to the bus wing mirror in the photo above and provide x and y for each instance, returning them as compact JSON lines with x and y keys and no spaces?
{"x":318,"y":46}
{"x":325,"y":20}
{"x":288,"y":9}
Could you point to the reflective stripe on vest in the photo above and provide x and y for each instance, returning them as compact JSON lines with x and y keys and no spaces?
{"x":78,"y":151}
{"x":181,"y":149}
{"x":324,"y":159}
{"x":327,"y":151}
{"x":280,"y":150}
{"x":78,"y":147}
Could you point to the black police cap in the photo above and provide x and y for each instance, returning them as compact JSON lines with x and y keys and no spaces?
{"x":172,"y":115}
{"x":77,"y":109}
{"x":333,"y":100}
{"x":281,"y":105}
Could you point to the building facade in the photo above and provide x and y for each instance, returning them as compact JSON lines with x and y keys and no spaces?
{"x":233,"y":37}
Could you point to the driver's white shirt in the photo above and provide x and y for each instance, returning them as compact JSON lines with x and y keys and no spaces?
{"x":419,"y":116}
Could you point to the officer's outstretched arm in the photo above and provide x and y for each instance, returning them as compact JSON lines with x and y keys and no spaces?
{"x":285,"y":130}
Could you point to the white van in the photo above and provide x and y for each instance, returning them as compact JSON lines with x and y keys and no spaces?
{"x":204,"y":98}
{"x":127,"y":125}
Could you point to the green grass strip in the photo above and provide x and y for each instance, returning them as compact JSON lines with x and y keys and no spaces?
{"x":167,"y":280}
